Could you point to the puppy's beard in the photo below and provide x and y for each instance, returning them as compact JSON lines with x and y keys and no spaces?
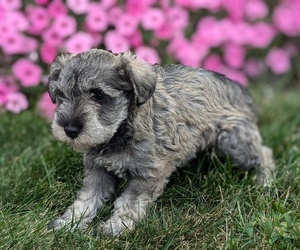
{"x":93,"y":133}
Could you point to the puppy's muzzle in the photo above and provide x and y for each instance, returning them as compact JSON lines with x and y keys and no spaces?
{"x":72,"y":131}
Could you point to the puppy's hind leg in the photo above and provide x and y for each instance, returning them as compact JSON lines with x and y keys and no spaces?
{"x":98,"y":186}
{"x":240,"y":140}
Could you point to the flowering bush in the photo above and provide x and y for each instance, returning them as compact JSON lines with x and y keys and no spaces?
{"x":221,"y":35}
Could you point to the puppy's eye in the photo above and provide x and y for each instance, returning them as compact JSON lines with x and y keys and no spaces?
{"x":54,"y":76}
{"x":60,"y":97}
{"x":99,"y":96}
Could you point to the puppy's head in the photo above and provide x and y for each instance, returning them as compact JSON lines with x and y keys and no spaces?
{"x":93,"y":91}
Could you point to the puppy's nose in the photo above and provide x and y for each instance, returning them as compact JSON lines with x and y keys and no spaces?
{"x":72,"y":131}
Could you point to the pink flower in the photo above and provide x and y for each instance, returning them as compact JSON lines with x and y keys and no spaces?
{"x":262,"y":35}
{"x":186,"y":52}
{"x":178,"y":18}
{"x":11,"y":4}
{"x":126,"y":25}
{"x":9,"y":81}
{"x":57,"y":8}
{"x":234,"y":55}
{"x":97,"y":38}
{"x":39,"y":19}
{"x":52,"y":37}
{"x":235,"y":9}
{"x":96,"y":19}
{"x":240,"y":33}
{"x":164,"y":4}
{"x":48,"y":53}
{"x":256,"y":9}
{"x":16,"y":102}
{"x":176,"y":43}
{"x":2,"y":12}
{"x":147,"y":54}
{"x":28,"y":73}
{"x":116,"y":42}
{"x":153,"y":19}
{"x":65,"y":25}
{"x":212,"y":5}
{"x":41,"y":2}
{"x":4,"y":91}
{"x":136,"y":39}
{"x":286,"y":19}
{"x":253,"y":68}
{"x":292,"y":49}
{"x":46,"y":107}
{"x":183,"y":3}
{"x":106,"y":4}
{"x":78,"y":6}
{"x":79,"y":42}
{"x":164,"y":32}
{"x":113,"y":14}
{"x":278,"y":61}
{"x":236,"y":75}
{"x":209,"y":32}
{"x":213,"y":62}
{"x":17,"y":20}
{"x":28,"y":44}
{"x":137,"y":8}
{"x":12,"y":43}
{"x":190,"y":56}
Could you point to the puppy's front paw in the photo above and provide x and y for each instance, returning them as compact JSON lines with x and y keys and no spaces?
{"x":68,"y":225}
{"x":115,"y":226}
{"x":57,"y":224}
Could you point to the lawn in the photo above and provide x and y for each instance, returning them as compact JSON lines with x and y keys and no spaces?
{"x":205,"y":206}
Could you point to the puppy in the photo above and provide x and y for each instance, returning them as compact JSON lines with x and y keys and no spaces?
{"x":139,"y":122}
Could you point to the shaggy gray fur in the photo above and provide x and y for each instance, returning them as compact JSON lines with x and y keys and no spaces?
{"x":139,"y":122}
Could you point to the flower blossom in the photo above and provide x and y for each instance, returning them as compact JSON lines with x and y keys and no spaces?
{"x":278,"y":61}
{"x":147,"y":54}
{"x":57,"y":8}
{"x":256,"y":9}
{"x":28,"y":73}
{"x":234,"y":55}
{"x":11,"y":4}
{"x":96,"y":19}
{"x":79,"y":42}
{"x":153,"y":19}
{"x":64,"y":25}
{"x":48,"y":53}
{"x":39,"y":19}
{"x":126,"y":25}
{"x":116,"y":42}
{"x":16,"y":102}
{"x":78,"y":6}
{"x":46,"y":106}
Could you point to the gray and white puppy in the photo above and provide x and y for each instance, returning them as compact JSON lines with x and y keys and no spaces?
{"x":139,"y":122}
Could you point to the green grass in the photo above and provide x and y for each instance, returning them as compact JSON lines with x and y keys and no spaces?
{"x":200,"y":209}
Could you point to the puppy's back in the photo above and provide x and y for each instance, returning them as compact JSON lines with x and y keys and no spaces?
{"x":208,"y":88}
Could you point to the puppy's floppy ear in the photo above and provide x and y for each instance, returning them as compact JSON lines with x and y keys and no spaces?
{"x":140,"y":75}
{"x":55,"y":69}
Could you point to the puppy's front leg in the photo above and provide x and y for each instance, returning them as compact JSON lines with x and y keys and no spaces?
{"x":98,"y":186}
{"x":131,"y":206}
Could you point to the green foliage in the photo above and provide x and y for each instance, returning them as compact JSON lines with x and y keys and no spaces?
{"x":205,"y":206}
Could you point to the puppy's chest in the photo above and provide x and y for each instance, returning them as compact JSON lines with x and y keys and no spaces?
{"x":117,"y":164}
{"x":123,"y":165}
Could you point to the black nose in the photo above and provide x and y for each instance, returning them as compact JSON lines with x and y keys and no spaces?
{"x":72,"y":131}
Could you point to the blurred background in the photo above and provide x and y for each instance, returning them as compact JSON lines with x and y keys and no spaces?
{"x":247,"y":40}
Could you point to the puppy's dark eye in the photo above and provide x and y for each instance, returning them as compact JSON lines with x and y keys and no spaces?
{"x":60,"y":97}
{"x":54,"y":76}
{"x":99,"y":96}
